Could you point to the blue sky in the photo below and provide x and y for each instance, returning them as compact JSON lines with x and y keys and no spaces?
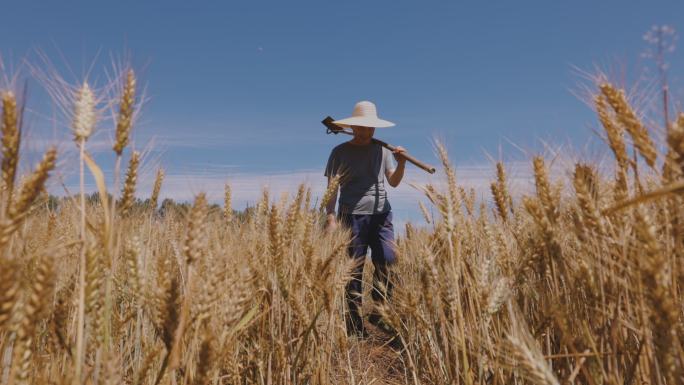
{"x":237,"y":88}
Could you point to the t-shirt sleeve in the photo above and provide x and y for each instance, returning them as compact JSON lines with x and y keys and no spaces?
{"x":333,"y":164}
{"x":388,"y":160}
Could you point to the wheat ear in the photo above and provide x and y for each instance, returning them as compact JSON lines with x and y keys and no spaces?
{"x":85,"y":114}
{"x":454,"y":197}
{"x":502,"y":198}
{"x":425,"y":212}
{"x":655,"y":278}
{"x":125,"y":118}
{"x":34,"y":309}
{"x":525,"y":351}
{"x":157,"y":188}
{"x":629,"y":120}
{"x":614,"y":132}
{"x":674,"y":163}
{"x":330,"y":192}
{"x":28,"y":193}
{"x":10,"y":142}
{"x":227,"y":204}
{"x":33,"y":185}
{"x":543,"y":185}
{"x":9,"y":287}
{"x":195,"y":240}
{"x":131,"y":254}
{"x":194,"y":250}
{"x":94,"y":299}
{"x":128,"y":192}
{"x":584,"y":186}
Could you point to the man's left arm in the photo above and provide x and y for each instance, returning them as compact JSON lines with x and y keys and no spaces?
{"x":394,"y":176}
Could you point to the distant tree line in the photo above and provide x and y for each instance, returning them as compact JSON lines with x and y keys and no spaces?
{"x":167,"y":205}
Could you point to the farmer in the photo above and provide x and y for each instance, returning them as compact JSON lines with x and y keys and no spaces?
{"x":364,"y":208}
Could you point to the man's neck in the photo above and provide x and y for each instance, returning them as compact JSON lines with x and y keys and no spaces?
{"x":361,"y":142}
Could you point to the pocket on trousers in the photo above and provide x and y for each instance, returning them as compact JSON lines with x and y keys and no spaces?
{"x":388,"y":221}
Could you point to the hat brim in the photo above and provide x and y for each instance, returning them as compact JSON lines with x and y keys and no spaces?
{"x":363,"y":121}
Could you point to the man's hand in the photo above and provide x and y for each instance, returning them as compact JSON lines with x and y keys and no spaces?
{"x":330,"y":223}
{"x":399,"y":154}
{"x":394,"y":177}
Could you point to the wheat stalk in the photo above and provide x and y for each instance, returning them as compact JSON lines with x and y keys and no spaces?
{"x":83,"y":125}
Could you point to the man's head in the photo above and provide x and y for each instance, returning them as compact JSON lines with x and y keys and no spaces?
{"x":362,"y":133}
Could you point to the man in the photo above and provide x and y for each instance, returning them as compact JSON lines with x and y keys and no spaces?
{"x":364,"y":208}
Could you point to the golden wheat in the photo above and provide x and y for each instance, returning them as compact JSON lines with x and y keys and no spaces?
{"x":10,"y":141}
{"x":552,"y":288}
{"x":125,"y":117}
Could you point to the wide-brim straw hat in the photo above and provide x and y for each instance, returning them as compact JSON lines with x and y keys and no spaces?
{"x":365,"y":114}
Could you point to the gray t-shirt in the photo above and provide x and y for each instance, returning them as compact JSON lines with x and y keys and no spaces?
{"x":362,"y":186}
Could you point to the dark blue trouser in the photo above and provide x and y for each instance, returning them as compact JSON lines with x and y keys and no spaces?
{"x":377,"y":232}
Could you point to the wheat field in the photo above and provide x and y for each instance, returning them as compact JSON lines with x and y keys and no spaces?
{"x":579,"y":282}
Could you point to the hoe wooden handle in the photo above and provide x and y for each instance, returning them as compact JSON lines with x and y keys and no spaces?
{"x":418,"y":163}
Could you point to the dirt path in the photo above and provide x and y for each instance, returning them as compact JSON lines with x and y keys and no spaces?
{"x":372,"y":361}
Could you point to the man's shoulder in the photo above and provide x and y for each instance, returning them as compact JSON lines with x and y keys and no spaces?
{"x":339,"y":148}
